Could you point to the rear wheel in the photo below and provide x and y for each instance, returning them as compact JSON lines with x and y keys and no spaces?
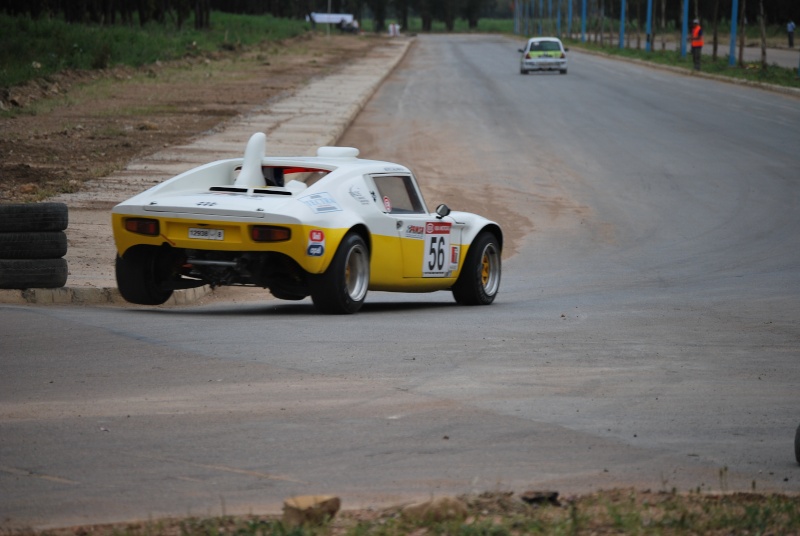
{"x":343,"y":286}
{"x":142,"y":273}
{"x":479,"y":280}
{"x":563,"y":71}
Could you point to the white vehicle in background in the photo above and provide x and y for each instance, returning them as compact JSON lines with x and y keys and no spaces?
{"x":543,"y":54}
{"x":331,"y":226}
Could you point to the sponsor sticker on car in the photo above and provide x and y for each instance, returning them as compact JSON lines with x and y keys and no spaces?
{"x":437,"y":256}
{"x":415,"y":231}
{"x":321,"y":203}
{"x":358,"y":195}
{"x":455,"y":255}
{"x":316,"y":243}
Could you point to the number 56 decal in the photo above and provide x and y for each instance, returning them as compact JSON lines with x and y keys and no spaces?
{"x":436,"y":262}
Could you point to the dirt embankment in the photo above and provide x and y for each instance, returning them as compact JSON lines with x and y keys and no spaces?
{"x":57,"y":133}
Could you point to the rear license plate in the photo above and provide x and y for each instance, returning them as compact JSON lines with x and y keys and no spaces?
{"x":206,"y":234}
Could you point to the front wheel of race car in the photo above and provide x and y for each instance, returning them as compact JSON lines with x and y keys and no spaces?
{"x":343,"y":286}
{"x":141,"y":274}
{"x":479,"y":280}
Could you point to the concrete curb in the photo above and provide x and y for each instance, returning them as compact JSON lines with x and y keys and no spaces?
{"x":89,"y":296}
{"x":365,"y":79}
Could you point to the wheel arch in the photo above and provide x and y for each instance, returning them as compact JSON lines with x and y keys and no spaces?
{"x":362,"y":230}
{"x":490,"y":227}
{"x":132,"y":249}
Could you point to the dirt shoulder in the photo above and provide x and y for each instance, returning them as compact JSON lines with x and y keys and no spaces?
{"x":619,"y":511}
{"x":74,"y":127}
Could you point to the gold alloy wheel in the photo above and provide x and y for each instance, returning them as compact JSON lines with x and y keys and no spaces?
{"x":485,"y":266}
{"x":490,"y":269}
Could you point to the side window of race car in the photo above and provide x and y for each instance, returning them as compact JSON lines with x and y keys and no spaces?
{"x":398,"y":194}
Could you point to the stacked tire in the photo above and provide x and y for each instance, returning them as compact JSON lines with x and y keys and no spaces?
{"x":32,"y":245}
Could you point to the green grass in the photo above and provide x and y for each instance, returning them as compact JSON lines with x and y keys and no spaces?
{"x":611,"y":512}
{"x":752,"y":72}
{"x":37,"y":48}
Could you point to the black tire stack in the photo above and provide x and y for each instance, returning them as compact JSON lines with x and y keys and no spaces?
{"x":797,"y":445}
{"x":32,"y":245}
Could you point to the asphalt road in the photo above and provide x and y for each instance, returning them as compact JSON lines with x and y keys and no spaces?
{"x":646,"y":332}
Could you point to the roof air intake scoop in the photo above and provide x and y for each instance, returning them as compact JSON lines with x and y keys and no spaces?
{"x":251,"y":175}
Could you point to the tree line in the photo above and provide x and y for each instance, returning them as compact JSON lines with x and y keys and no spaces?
{"x":114,"y":11}
{"x":779,"y":11}
{"x":379,"y":11}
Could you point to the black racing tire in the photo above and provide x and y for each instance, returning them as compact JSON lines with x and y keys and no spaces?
{"x":523,"y":71}
{"x":563,"y":71}
{"x":21,"y":217}
{"x":142,"y":272}
{"x":479,"y":280}
{"x":797,"y":445}
{"x":343,"y":287}
{"x":33,"y":273}
{"x":29,"y":245}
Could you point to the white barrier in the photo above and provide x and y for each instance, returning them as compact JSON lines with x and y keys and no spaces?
{"x":330,"y":18}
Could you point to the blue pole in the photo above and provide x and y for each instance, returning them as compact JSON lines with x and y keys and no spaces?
{"x":583,"y":21}
{"x":531,"y":7}
{"x":569,"y":22}
{"x":541,"y":15}
{"x":523,"y":18}
{"x":649,"y":47}
{"x":622,"y":25}
{"x":550,"y":14}
{"x":685,"y":27}
{"x":558,"y":20}
{"x":734,"y":26}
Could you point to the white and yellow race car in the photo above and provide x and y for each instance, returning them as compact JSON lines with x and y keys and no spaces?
{"x":331,"y":226}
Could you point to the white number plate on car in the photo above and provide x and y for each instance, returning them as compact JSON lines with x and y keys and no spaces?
{"x":206,"y":234}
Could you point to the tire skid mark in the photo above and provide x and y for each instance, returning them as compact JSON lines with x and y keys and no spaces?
{"x":224,"y":468}
{"x":22,"y":472}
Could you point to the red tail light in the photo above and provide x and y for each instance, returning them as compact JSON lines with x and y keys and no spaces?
{"x":143,"y":226}
{"x":268,"y":233}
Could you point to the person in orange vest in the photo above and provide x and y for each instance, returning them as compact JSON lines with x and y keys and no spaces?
{"x":697,"y":43}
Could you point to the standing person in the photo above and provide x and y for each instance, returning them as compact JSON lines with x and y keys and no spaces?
{"x":697,"y":43}
{"x":790,"y":31}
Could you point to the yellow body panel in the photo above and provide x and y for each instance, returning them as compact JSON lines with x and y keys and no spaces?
{"x":175,"y":232}
{"x":386,"y":266}
{"x":391,"y":262}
